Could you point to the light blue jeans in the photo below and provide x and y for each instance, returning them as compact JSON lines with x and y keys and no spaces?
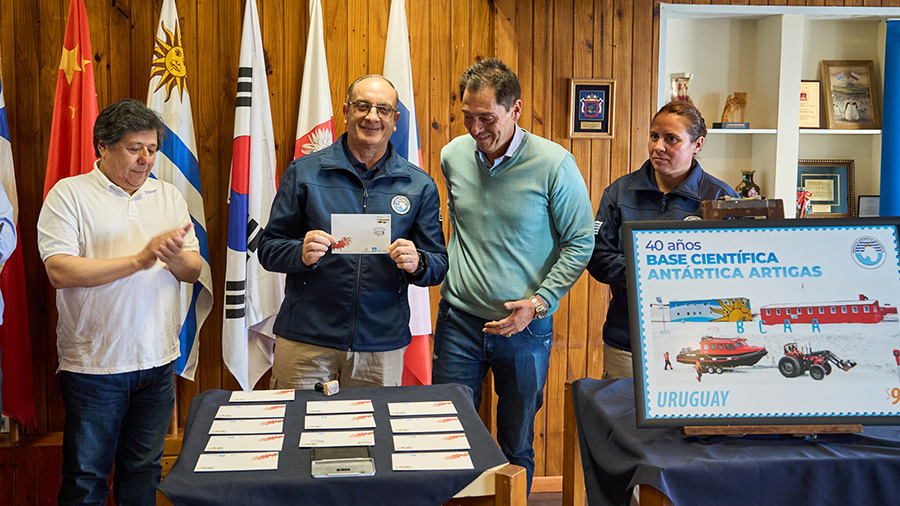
{"x":463,"y":354}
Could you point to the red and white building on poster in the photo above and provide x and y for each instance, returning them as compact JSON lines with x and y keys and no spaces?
{"x":862,"y":310}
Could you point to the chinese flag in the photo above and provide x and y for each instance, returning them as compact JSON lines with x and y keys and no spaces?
{"x":75,"y":108}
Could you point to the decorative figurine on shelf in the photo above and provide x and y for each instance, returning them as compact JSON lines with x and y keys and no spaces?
{"x":680,"y":87}
{"x":804,"y":205}
{"x":747,"y":188}
{"x":736,"y":102}
{"x":734,"y":107}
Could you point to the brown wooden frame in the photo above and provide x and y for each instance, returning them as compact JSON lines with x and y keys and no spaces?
{"x":607,"y":86}
{"x":829,"y":66}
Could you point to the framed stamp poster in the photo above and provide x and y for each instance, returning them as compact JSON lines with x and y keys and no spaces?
{"x":734,"y":323}
{"x":591,"y":108}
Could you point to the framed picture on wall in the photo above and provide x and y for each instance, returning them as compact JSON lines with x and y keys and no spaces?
{"x":831,"y":185}
{"x":868,"y":206}
{"x":749,"y":322}
{"x":591,"y":108}
{"x":851,"y":94}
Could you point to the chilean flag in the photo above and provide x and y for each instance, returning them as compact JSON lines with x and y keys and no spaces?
{"x":315,"y":120}
{"x":15,"y":333}
{"x":398,"y":69}
{"x":252,"y":294}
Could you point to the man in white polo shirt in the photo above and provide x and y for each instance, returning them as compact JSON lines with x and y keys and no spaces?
{"x":117,"y":247}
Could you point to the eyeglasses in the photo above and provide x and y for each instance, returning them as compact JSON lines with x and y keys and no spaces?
{"x":384,"y":111}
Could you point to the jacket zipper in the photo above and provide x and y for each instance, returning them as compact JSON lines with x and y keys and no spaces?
{"x":358,"y":271}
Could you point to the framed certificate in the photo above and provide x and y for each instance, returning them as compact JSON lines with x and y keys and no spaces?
{"x":810,"y":100}
{"x":832,"y":187}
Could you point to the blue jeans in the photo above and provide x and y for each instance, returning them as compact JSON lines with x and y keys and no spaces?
{"x":463,"y":354}
{"x":121,"y":418}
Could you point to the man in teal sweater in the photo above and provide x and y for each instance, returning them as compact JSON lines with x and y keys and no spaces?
{"x":522,"y":235}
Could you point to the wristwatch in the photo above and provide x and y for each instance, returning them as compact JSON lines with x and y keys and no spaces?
{"x":423,"y":265}
{"x":540,"y":310}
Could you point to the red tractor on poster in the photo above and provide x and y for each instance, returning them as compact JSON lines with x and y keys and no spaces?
{"x":797,"y":361}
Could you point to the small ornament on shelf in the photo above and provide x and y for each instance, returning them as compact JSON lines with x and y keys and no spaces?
{"x":804,"y":205}
{"x":733,"y":113}
{"x":679,"y":84}
{"x":747,"y":188}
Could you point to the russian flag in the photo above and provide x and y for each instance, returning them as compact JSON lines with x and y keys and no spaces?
{"x":398,"y":69}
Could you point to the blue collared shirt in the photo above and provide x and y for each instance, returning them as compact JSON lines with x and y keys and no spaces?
{"x":518,"y":135}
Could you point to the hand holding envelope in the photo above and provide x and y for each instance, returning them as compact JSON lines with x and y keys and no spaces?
{"x":403,"y":253}
{"x":315,"y":245}
{"x":360,"y":234}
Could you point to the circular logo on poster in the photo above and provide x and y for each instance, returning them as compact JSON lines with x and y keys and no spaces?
{"x":400,"y":204}
{"x":868,"y":252}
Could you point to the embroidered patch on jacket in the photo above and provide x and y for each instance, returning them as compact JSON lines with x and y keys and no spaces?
{"x":693,"y":218}
{"x":400,"y":204}
{"x":597,"y":225}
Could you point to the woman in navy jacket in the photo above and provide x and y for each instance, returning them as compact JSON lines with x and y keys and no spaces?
{"x":668,"y":186}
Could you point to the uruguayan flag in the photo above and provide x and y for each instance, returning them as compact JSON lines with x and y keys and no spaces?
{"x":176,"y":163}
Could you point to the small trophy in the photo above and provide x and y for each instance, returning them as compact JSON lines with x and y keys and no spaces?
{"x":679,"y":90}
{"x":733,"y":114}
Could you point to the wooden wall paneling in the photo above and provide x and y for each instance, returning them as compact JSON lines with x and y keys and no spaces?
{"x":272,"y":27}
{"x":560,"y":70}
{"x":116,"y":47}
{"x":482,"y":30}
{"x":357,"y":39}
{"x":213,"y":74}
{"x":50,"y":460}
{"x":539,"y":95}
{"x":28,"y":472}
{"x":441,"y":100}
{"x":142,"y":22}
{"x":460,"y":57}
{"x":622,"y":69}
{"x":379,"y":12}
{"x":296,"y":36}
{"x":582,"y":149}
{"x":418,"y":24}
{"x":600,"y":178}
{"x":525,"y":47}
{"x":440,"y":96}
{"x":642,"y":81}
{"x":541,"y":63}
{"x":506,"y":42}
{"x":7,"y":472}
{"x":336,"y":47}
{"x":98,"y":21}
{"x":33,"y":121}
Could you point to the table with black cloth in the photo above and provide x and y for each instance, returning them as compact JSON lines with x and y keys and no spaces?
{"x":292,"y":483}
{"x":838,"y":469}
